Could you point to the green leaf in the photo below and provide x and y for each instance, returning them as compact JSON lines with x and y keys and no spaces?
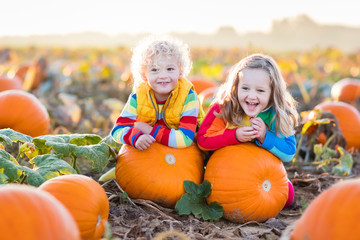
{"x":203,"y":190}
{"x":345,"y":165}
{"x":108,"y":140}
{"x":98,"y":154}
{"x":3,"y":178}
{"x":51,"y":165}
{"x":9,"y":166}
{"x":8,"y":135}
{"x":33,"y":178}
{"x":194,"y":201}
{"x":213,"y":211}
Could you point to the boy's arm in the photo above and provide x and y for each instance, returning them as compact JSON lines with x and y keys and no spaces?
{"x":184,"y":135}
{"x":282,"y":147}
{"x":124,"y":131}
{"x":213,"y":133}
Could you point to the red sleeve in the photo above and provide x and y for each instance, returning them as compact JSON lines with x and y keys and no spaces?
{"x":213,"y":133}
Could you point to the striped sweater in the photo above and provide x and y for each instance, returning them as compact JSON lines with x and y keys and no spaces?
{"x":124,"y":131}
{"x":213,"y":135}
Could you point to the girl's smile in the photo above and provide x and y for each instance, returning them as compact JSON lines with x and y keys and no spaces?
{"x":254,"y":91}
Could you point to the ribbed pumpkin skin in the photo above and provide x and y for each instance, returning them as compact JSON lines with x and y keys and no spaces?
{"x":27,"y":213}
{"x":10,"y":83}
{"x":147,"y":175}
{"x":238,"y":175}
{"x":85,"y":199}
{"x":346,"y":90}
{"x":332,"y":215}
{"x":349,"y":121}
{"x":23,"y":112}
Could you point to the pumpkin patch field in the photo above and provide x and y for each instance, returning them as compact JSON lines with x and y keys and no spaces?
{"x":59,"y":164}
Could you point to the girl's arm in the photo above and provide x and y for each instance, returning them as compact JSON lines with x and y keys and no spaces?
{"x":213,"y":133}
{"x":124,"y":131}
{"x":282,"y":147}
{"x":184,"y":135}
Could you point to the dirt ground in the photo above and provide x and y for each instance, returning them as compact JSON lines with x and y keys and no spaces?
{"x":143,"y":219}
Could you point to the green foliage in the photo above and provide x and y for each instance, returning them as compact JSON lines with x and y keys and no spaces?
{"x":194,"y":201}
{"x":325,"y":155}
{"x":48,"y":156}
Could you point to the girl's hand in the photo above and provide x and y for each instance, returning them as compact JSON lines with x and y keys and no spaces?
{"x":144,"y":141}
{"x":245,"y":134}
{"x":144,"y":127}
{"x":260,"y":128}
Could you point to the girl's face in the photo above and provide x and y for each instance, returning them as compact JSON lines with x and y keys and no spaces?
{"x":162,"y":76}
{"x":254,"y":91}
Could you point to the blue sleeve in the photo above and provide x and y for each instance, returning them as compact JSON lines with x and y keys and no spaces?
{"x":282,"y":147}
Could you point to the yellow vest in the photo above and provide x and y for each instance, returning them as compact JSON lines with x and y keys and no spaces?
{"x":148,"y":111}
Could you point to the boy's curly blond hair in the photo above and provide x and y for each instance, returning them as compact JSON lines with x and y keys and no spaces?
{"x":154,"y":46}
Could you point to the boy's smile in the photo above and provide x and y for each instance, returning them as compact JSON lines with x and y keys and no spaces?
{"x":162,"y":76}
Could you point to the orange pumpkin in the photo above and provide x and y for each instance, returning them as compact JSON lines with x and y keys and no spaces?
{"x":206,"y":97}
{"x":86,"y":200}
{"x":30,"y":214}
{"x":346,"y":90}
{"x":334,"y":214}
{"x":200,"y":83}
{"x":10,"y":83}
{"x":158,"y":173}
{"x":23,"y":112}
{"x":32,"y":74}
{"x":248,"y":181}
{"x":349,"y":121}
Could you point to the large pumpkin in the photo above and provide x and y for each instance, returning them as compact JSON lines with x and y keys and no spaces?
{"x":85,"y":199}
{"x":346,"y":90}
{"x":349,"y":121}
{"x":23,"y":112}
{"x":158,"y":173}
{"x":7,"y":83}
{"x":248,"y":181}
{"x":332,"y":215}
{"x":27,"y":213}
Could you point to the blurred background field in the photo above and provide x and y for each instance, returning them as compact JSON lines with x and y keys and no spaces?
{"x":84,"y":89}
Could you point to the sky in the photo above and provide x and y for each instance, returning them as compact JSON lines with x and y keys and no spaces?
{"x":28,"y":17}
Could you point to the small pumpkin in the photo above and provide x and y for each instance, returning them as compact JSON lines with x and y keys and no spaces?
{"x":30,"y":214}
{"x":248,"y":181}
{"x":23,"y":112}
{"x":349,"y":121}
{"x":86,"y":200}
{"x":206,"y":97}
{"x":32,"y":74}
{"x":158,"y":173}
{"x":334,"y":214}
{"x":346,"y":90}
{"x":7,"y":83}
{"x":200,"y":83}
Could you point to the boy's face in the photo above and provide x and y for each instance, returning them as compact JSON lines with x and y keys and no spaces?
{"x":162,"y":76}
{"x":254,"y":91}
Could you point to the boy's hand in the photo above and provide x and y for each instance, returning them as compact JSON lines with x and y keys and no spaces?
{"x":245,"y":134}
{"x":144,"y":141}
{"x":144,"y":127}
{"x":260,"y":128}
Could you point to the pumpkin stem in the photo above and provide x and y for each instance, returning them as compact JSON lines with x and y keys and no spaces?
{"x":113,"y":154}
{"x":329,"y":140}
{"x":24,"y":178}
{"x":74,"y":165}
{"x":298,"y":149}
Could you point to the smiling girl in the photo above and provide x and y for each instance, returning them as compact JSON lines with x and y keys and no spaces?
{"x":253,"y":105}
